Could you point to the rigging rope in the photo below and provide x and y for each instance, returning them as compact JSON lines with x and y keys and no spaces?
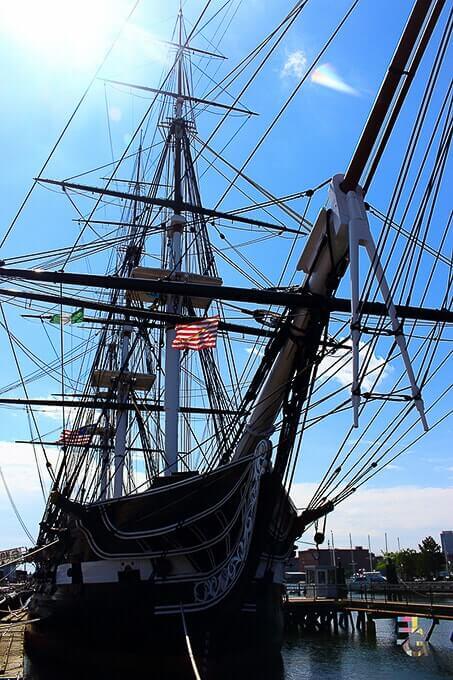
{"x":71,"y":118}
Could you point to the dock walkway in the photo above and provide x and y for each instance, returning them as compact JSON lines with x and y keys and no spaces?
{"x":377,"y":608}
{"x":320,"y":614}
{"x":12,"y":628}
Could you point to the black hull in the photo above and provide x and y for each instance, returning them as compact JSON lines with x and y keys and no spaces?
{"x":206,"y":556}
{"x":101,"y":622}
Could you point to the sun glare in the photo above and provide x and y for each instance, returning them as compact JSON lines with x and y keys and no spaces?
{"x":76,"y":33}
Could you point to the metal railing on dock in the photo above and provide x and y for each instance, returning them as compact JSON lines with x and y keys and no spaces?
{"x":420,"y":593}
{"x":319,"y":607}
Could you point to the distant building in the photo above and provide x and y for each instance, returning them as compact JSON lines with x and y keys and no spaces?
{"x":351,"y":560}
{"x":7,"y":570}
{"x":446,"y":539}
{"x":7,"y":574}
{"x":292,"y":563}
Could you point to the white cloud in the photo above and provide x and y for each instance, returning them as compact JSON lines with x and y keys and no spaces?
{"x":406,"y":512}
{"x":336,"y":366}
{"x":326,"y":75}
{"x":55,"y":412}
{"x":409,"y":512}
{"x":254,"y":350}
{"x":17,"y":462}
{"x":294,"y":65}
{"x":19,"y":467}
{"x":115,"y":113}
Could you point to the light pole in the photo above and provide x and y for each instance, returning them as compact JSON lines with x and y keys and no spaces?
{"x":369,"y":553}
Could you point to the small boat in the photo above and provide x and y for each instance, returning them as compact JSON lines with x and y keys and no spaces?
{"x":371,"y":581}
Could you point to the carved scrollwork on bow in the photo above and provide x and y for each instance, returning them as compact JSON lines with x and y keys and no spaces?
{"x":218,"y":584}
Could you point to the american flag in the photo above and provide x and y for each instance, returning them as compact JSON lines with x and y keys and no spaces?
{"x":199,"y":335}
{"x":80,"y":437}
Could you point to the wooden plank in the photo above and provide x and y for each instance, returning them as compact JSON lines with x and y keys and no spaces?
{"x":12,"y":630}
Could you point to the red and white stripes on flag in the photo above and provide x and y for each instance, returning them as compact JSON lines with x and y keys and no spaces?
{"x":80,"y":437}
{"x":199,"y":335}
{"x":72,"y":437}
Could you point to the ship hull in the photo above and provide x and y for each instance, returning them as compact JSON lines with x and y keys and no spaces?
{"x":198,"y":563}
{"x":122,"y":620}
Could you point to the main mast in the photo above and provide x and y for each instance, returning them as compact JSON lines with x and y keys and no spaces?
{"x":174,"y":241}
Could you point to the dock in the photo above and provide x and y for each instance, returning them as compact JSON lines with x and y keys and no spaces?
{"x":317,"y":614}
{"x":12,"y":627}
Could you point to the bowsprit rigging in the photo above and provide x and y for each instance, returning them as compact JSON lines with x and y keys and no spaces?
{"x":170,"y":502}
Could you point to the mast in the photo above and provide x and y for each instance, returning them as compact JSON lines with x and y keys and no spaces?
{"x":174,"y":241}
{"x":121,"y":427}
{"x":119,"y":456}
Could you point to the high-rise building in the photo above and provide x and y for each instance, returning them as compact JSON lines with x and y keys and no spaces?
{"x":446,"y":539}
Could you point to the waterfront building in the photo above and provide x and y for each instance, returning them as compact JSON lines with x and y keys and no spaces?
{"x":351,"y":560}
{"x":7,"y":570}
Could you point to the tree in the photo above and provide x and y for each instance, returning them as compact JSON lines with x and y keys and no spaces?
{"x":430,"y":557}
{"x":381,"y":561}
{"x":408,"y":563}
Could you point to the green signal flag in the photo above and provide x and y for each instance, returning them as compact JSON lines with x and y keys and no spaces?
{"x":76,"y":317}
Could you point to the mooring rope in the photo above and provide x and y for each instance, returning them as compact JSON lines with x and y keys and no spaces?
{"x":189,"y":647}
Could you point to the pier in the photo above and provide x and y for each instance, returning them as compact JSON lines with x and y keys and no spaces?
{"x":12,"y":629}
{"x":315,"y":613}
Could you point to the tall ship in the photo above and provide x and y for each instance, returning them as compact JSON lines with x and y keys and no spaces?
{"x":187,"y":397}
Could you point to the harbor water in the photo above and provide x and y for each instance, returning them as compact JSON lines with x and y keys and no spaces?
{"x":354,"y":656}
{"x":348,"y":655}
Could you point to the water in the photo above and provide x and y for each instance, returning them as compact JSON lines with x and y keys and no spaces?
{"x":351,"y":656}
{"x":348,"y":656}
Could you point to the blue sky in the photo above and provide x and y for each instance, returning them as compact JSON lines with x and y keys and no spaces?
{"x":46,"y":68}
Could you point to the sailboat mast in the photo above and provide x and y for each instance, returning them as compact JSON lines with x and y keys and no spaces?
{"x":174,"y":235}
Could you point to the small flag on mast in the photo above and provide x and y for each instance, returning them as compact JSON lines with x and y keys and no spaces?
{"x":199,"y":335}
{"x":75,"y":317}
{"x":79,"y":437}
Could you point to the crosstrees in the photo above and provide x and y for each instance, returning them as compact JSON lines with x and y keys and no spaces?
{"x":168,"y":203}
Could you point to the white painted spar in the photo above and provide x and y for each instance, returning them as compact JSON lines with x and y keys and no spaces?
{"x":172,"y":356}
{"x":360,"y":235}
{"x":334,"y":239}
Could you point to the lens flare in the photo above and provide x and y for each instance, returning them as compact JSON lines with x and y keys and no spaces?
{"x":56,"y":32}
{"x":326,"y":76}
